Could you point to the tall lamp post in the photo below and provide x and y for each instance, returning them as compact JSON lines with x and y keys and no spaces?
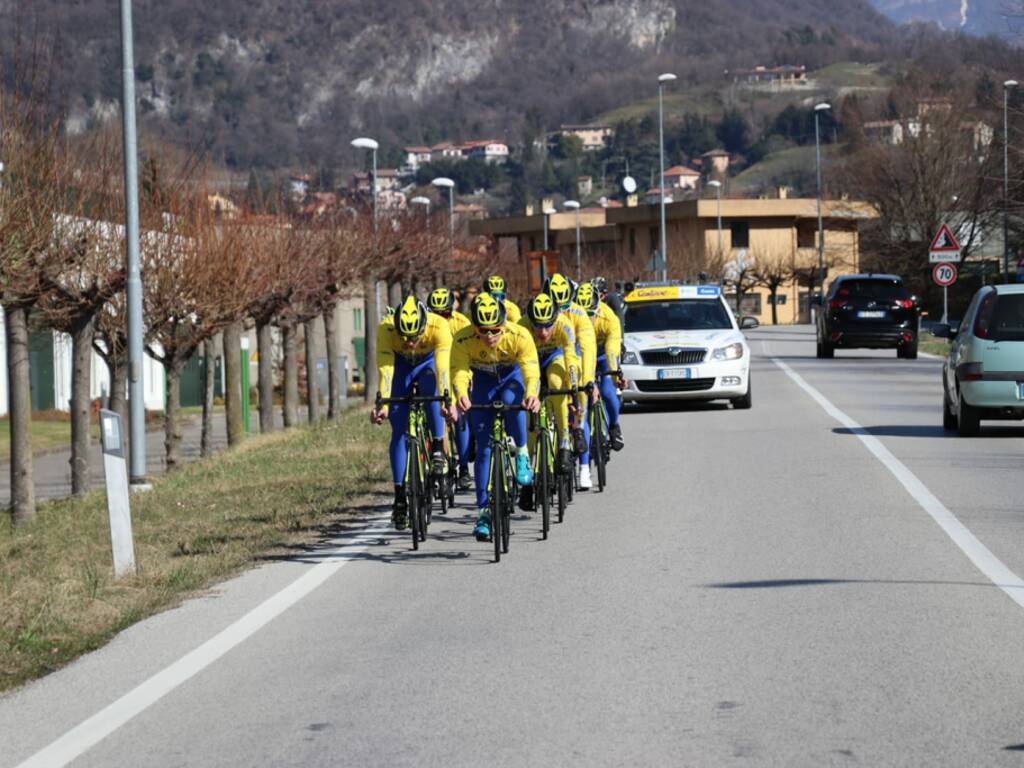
{"x":818,"y":109}
{"x":424,"y":201}
{"x":1006,"y":175}
{"x":718,"y":188}
{"x":573,"y":205}
{"x":443,"y":182}
{"x":371,"y":288}
{"x":668,"y":77}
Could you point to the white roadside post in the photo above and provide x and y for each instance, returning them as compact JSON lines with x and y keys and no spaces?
{"x":944,"y":252}
{"x":115,"y":471}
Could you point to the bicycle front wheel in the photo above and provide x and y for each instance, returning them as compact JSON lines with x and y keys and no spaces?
{"x":497,"y":500}
{"x":544,"y":480}
{"x":413,"y":494}
{"x":598,"y":435}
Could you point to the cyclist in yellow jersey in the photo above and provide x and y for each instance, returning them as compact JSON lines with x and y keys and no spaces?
{"x":495,"y":286}
{"x":561,"y":291}
{"x":608,"y":331}
{"x":501,"y":359}
{"x":413,"y":349}
{"x":441,"y":302}
{"x":556,"y":350}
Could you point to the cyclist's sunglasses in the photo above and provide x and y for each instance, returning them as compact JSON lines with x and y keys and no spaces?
{"x":489,"y":331}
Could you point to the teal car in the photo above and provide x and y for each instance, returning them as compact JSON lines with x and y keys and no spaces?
{"x":983,"y":376}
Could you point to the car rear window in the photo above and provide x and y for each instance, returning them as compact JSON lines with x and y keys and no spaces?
{"x":1002,"y":319}
{"x":886,"y":290}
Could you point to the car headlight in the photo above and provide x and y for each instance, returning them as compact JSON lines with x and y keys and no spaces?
{"x":630,"y":358}
{"x":729,"y":352}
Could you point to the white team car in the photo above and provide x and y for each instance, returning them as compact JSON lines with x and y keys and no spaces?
{"x":682,"y":342}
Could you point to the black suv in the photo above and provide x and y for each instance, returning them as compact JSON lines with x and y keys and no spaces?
{"x":868,"y":311}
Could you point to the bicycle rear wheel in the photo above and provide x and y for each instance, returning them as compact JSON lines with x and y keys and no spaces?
{"x":598,"y":433}
{"x":564,"y":481}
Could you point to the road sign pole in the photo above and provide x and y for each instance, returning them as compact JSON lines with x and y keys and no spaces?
{"x":945,"y":305}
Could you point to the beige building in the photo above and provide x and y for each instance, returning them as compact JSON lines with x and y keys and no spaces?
{"x":760,"y":241}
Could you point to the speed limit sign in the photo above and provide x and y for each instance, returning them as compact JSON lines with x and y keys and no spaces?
{"x":944,"y":274}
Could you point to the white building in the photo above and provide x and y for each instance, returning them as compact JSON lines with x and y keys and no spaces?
{"x":488,"y":150}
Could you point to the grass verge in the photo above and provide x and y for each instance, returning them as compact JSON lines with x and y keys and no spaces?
{"x":198,"y":526}
{"x":931,"y":345}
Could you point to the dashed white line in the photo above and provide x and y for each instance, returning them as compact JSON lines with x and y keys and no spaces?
{"x":991,"y":566}
{"x":96,"y":728}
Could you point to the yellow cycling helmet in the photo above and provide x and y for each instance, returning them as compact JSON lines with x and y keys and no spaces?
{"x":542,"y":311}
{"x":441,"y":300}
{"x":560,"y":289}
{"x":496,"y":286}
{"x":411,"y":318}
{"x":588,"y":298}
{"x":487,"y":311}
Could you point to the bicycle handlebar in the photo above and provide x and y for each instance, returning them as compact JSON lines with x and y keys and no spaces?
{"x":553,"y":392}
{"x":498,"y":407}
{"x":411,"y":399}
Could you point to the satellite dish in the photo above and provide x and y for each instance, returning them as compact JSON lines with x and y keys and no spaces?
{"x":629,"y":184}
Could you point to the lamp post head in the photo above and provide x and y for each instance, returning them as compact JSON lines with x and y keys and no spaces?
{"x":668,"y":77}
{"x":420,"y":200}
{"x":823,"y":107}
{"x":443,"y":181}
{"x":1010,"y":84}
{"x":572,"y":205}
{"x":364,"y":143}
{"x":714,"y":183}
{"x":549,"y":211}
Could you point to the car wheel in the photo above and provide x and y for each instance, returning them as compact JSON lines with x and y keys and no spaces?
{"x":907,"y":351}
{"x":949,"y":422}
{"x":825,"y":350}
{"x":746,"y":401}
{"x":968,"y":418}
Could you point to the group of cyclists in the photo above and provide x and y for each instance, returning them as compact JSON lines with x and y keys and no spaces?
{"x":567,"y":340}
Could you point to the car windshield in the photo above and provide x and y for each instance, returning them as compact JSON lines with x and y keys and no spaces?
{"x":679,"y":315}
{"x":886,"y":290}
{"x":1003,"y":319}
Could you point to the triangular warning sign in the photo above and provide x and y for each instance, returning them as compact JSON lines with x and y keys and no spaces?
{"x":944,"y":241}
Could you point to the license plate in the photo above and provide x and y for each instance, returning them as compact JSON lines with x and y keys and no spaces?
{"x":676,"y":373}
{"x":874,"y":313}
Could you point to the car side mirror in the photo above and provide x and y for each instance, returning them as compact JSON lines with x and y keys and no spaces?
{"x":749,"y":322}
{"x":943,"y":331}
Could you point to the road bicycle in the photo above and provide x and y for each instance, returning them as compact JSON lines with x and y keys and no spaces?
{"x":549,"y":480}
{"x":502,"y":488}
{"x":419,"y":482}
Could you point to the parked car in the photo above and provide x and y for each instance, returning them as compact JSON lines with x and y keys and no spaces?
{"x":983,"y":375}
{"x":868,"y":312}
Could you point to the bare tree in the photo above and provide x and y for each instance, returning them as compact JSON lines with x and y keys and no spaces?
{"x":773,"y":269}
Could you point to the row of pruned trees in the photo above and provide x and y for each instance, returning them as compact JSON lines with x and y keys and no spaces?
{"x":205,"y":274}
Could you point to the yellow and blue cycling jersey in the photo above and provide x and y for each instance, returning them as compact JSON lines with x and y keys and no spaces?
{"x":435,"y":340}
{"x":586,"y":340}
{"x":608,"y":334}
{"x":512,"y":311}
{"x":456,"y":322}
{"x":515,"y":347}
{"x":562,"y":338}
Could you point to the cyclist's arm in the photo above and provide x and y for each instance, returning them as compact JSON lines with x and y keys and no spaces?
{"x":613,"y":342}
{"x":442,"y":359}
{"x":588,"y":350}
{"x":385,"y":359}
{"x":529,"y":365}
{"x":572,"y":361}
{"x":460,"y":371}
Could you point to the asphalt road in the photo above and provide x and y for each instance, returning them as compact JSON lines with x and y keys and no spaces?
{"x":769,"y":587}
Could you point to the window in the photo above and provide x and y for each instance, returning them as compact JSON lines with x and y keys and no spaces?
{"x":806,"y":234}
{"x":778,"y":300}
{"x":740,"y":231}
{"x":632,"y":242}
{"x":751,"y":304}
{"x":357,"y":320}
{"x":680,"y":315}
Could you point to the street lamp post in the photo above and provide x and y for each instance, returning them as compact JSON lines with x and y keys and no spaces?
{"x":1006,"y":174}
{"x":371,"y":288}
{"x":718,"y":188}
{"x":573,"y":205}
{"x":133,"y":288}
{"x":424,"y":201}
{"x":668,"y":77}
{"x":443,"y":182}
{"x":818,"y":109}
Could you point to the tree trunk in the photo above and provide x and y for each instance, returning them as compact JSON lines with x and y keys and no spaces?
{"x":172,"y":432}
{"x":209,"y":367}
{"x":117,"y":368}
{"x":312,"y":391}
{"x":333,"y":373}
{"x":232,"y":345}
{"x":370,"y":322}
{"x":265,"y":345}
{"x":19,"y":399}
{"x":395,"y":293}
{"x":775,"y":305}
{"x":291,"y":375}
{"x":81,"y":405}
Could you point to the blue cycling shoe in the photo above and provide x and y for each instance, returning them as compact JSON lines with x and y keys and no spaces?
{"x":524,"y":472}
{"x":483,"y":528}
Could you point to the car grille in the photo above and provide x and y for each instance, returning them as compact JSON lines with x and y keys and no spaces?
{"x":665,"y":357}
{"x":675,"y":385}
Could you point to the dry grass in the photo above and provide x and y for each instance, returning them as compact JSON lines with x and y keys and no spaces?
{"x":933,"y":346}
{"x":198,"y":526}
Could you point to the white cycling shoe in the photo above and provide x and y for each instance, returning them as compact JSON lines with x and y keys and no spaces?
{"x":585,"y":482}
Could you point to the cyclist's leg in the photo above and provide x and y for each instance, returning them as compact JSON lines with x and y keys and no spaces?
{"x":558,"y":378}
{"x":512,"y":392}
{"x":398,"y":415}
{"x":426,"y":378}
{"x":612,"y":403}
{"x":485,"y":390}
{"x":462,"y":433}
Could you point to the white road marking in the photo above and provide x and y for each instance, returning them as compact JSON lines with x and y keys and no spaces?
{"x":991,"y":566}
{"x":96,"y":728}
